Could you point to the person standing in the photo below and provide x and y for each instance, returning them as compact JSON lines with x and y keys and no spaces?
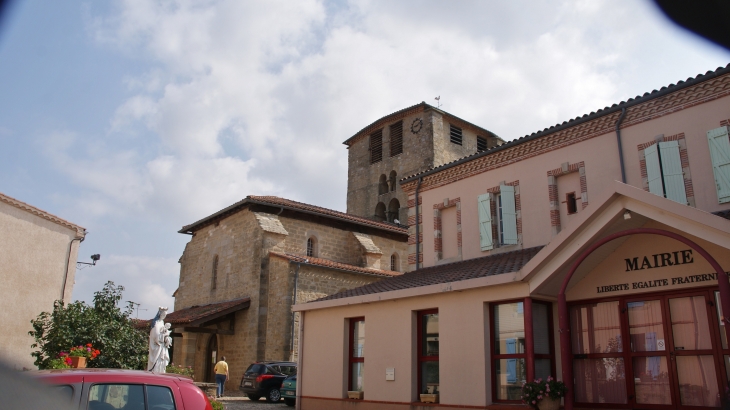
{"x":221,"y":375}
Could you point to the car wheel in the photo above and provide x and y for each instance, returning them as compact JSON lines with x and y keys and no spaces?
{"x":273,"y":395}
{"x":253,"y":397}
{"x":290,"y":402}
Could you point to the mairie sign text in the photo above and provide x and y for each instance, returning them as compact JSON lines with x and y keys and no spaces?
{"x":660,"y":260}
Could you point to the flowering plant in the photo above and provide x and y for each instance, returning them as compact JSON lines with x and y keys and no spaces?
{"x":87,"y":351}
{"x":61,"y":362}
{"x":535,"y":391}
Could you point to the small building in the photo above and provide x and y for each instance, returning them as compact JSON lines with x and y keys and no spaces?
{"x":247,"y":264}
{"x":38,"y":253}
{"x":590,"y":251}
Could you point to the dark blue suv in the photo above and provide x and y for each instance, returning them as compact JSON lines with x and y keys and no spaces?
{"x":263,"y":379}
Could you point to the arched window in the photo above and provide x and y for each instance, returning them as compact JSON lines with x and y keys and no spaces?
{"x":393,"y":210}
{"x":383,"y":185}
{"x":380,"y":212}
{"x":312,"y":247}
{"x":394,"y":263}
{"x":393,"y":180}
{"x":215,"y":273}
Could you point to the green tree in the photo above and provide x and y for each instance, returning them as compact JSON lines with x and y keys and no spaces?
{"x":104,"y":325}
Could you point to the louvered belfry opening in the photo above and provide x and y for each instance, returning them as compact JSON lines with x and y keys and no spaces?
{"x":396,"y":138}
{"x":456,"y":135}
{"x":376,"y":146}
{"x":481,"y":143}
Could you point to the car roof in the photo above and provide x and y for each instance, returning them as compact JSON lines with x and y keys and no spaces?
{"x":138,"y":376}
{"x":286,"y":363}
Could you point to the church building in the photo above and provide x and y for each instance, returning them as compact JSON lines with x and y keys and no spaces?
{"x":595,"y":251}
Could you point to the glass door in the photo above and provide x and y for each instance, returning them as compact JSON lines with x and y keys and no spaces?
{"x":649,"y":355}
{"x":692,"y":352}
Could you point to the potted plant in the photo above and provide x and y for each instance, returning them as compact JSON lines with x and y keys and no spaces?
{"x":429,"y":396}
{"x":543,"y":394}
{"x":79,"y":355}
{"x":355,"y":394}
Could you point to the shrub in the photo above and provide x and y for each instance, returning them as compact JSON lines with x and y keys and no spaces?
{"x":535,"y":391}
{"x":179,"y":369}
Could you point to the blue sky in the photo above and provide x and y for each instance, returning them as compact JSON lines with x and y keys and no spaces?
{"x":133,"y":119}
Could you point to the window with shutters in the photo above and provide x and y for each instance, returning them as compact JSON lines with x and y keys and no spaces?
{"x":376,"y":146}
{"x":498,"y":218}
{"x":719,"y":144}
{"x":664,"y":171}
{"x":456,"y":135}
{"x":481,"y":144}
{"x":396,"y":138}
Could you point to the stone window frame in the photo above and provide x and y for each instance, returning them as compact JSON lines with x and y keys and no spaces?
{"x":214,"y":273}
{"x":493,"y":192}
{"x":314,"y":237}
{"x":683,"y":156}
{"x":395,"y":262}
{"x":553,"y":175}
{"x":437,"y":239}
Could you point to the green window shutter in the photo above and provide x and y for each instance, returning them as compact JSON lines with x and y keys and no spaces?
{"x":720,"y":154}
{"x":653,"y":170}
{"x":485,"y":222}
{"x":509,"y":215}
{"x":672,"y":171}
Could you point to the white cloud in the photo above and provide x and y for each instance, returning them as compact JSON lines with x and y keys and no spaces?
{"x":149,"y":281}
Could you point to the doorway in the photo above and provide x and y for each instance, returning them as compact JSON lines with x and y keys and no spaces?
{"x":211,"y":358}
{"x":655,"y":351}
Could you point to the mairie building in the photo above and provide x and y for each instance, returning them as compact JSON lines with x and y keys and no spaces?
{"x":595,"y":251}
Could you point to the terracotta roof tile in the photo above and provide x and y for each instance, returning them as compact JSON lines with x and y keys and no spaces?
{"x":326,"y":263}
{"x":452,"y":272}
{"x":210,"y":311}
{"x":276,"y":201}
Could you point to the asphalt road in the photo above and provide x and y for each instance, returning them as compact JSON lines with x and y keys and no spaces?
{"x":241,"y":403}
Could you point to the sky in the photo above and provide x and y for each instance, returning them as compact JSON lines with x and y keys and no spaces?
{"x":134,"y":118}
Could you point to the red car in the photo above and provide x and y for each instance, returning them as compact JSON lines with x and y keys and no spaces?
{"x":112,"y":389}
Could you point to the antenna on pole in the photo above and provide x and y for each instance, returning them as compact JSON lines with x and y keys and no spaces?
{"x":136,"y":308}
{"x":438,"y":101}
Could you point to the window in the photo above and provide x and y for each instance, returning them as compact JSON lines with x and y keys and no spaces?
{"x":393,"y":180}
{"x":215,"y":273}
{"x":64,"y":391}
{"x":379,"y":212}
{"x":382,"y":185}
{"x":396,"y":138}
{"x":664,"y":171}
{"x":376,"y":146}
{"x":357,"y":354}
{"x":481,"y":144}
{"x":393,"y":210}
{"x":130,"y":397}
{"x":311,"y":247}
{"x":720,"y":153}
{"x":394,"y":262}
{"x":428,"y":351}
{"x":504,"y":217}
{"x":571,"y":203}
{"x":456,"y":136}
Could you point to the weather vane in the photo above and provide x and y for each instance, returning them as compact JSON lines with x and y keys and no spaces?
{"x":438,"y":101}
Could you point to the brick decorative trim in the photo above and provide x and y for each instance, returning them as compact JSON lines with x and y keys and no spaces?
{"x":700,"y":93}
{"x":724,"y":123}
{"x":437,"y":239}
{"x":553,"y":174}
{"x":412,"y":243}
{"x":683,"y":157}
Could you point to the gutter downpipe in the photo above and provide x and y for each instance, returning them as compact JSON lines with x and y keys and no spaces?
{"x":418,"y":224}
{"x":68,"y":260}
{"x":294,"y":302}
{"x":300,"y":350}
{"x":620,"y":148}
{"x":563,"y":314}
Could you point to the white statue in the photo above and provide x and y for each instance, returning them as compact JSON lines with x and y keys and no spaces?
{"x":160,"y":341}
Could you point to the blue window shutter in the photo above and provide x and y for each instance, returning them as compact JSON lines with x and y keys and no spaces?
{"x":509,"y":214}
{"x":653,"y":171}
{"x":485,"y":222}
{"x":672,"y":171}
{"x":511,"y":363}
{"x":720,"y":153}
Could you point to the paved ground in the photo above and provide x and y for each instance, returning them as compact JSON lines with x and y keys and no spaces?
{"x":238,"y":402}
